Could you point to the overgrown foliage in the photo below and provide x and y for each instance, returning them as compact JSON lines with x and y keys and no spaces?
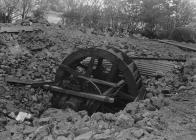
{"x":11,"y":10}
{"x":38,"y":13}
{"x":152,"y":18}
{"x":149,"y":17}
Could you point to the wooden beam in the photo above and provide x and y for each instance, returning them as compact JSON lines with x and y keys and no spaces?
{"x":27,"y":82}
{"x":101,"y":98}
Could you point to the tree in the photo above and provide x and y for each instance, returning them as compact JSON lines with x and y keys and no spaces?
{"x":39,"y":13}
{"x":8,"y":10}
{"x":184,"y":12}
{"x":41,"y":8}
{"x":26,"y":7}
{"x":165,"y":15}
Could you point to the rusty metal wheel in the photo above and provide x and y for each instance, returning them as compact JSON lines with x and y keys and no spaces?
{"x":105,"y":71}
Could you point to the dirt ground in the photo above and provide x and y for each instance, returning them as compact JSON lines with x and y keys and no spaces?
{"x":36,"y":56}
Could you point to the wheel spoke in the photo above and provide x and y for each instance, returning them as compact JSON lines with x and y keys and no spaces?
{"x":98,"y":72}
{"x":113,"y":72}
{"x":102,"y":82}
{"x":99,"y":64}
{"x":90,"y":67}
{"x":82,"y":66}
{"x":70,"y":70}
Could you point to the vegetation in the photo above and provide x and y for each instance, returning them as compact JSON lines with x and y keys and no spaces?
{"x":154,"y":18}
{"x":11,"y":10}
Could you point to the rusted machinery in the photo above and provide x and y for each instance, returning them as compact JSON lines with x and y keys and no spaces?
{"x":95,"y":79}
{"x":99,"y":79}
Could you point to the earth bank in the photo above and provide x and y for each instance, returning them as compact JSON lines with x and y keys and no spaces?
{"x":36,"y":55}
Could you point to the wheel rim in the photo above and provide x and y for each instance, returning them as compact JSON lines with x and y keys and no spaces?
{"x":119,"y":67}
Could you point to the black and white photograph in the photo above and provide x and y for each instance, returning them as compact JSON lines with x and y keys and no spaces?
{"x":97,"y":69}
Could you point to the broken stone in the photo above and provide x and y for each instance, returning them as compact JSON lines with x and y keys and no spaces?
{"x":124,"y":121}
{"x":11,"y":123}
{"x":50,"y":137}
{"x":15,"y":50}
{"x":3,"y":122}
{"x":138,"y":133}
{"x":146,"y":114}
{"x":182,"y":88}
{"x":102,"y":125}
{"x":102,"y":137}
{"x":83,"y":113}
{"x":97,"y":116}
{"x":123,"y":117}
{"x":126,"y":135}
{"x":110,"y":117}
{"x":149,"y":129}
{"x":2,"y":90}
{"x":148,"y":105}
{"x":194,"y":78}
{"x":82,"y":131}
{"x":193,"y":61}
{"x":17,"y":136}
{"x":5,"y":135}
{"x":152,"y":137}
{"x":132,"y":108}
{"x":157,"y":102}
{"x":137,"y":117}
{"x":29,"y":129}
{"x":22,"y":116}
{"x":44,"y":121}
{"x":62,"y":138}
{"x":149,"y":95}
{"x":108,"y":131}
{"x":61,"y":129}
{"x":85,"y":136}
{"x":39,"y":133}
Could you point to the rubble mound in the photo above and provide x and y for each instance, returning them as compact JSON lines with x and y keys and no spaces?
{"x":157,"y":117}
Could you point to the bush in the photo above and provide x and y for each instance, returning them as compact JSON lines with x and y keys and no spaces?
{"x":183,"y":34}
{"x":39,"y":13}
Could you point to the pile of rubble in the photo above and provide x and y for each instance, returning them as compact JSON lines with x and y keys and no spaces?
{"x":148,"y":119}
{"x":154,"y":118}
{"x":139,"y":120}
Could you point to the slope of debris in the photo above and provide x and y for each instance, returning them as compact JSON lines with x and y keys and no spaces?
{"x":155,"y":118}
{"x":36,"y":56}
